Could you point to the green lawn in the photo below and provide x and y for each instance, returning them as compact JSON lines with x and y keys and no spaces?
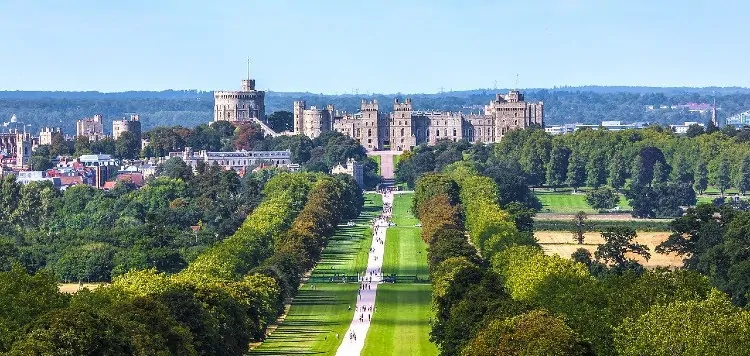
{"x":567,"y":203}
{"x":377,"y":160}
{"x":405,"y":252}
{"x":316,"y":316}
{"x":396,"y":158}
{"x":401,"y":324}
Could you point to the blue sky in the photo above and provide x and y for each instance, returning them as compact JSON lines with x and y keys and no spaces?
{"x":371,"y":46}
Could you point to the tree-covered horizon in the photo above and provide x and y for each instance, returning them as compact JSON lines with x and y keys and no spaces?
{"x":191,"y":108}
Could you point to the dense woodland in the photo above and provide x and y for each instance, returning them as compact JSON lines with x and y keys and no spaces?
{"x":500,"y":294}
{"x":86,"y":234}
{"x":658,"y":171}
{"x":221,"y":301}
{"x":192,"y":108}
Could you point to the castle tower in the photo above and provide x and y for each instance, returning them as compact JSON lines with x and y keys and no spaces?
{"x":369,"y":124}
{"x":240,"y":106}
{"x":299,"y":110}
{"x":23,"y":149}
{"x":401,"y":126}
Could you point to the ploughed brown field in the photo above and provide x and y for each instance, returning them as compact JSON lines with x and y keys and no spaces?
{"x":563,"y":244}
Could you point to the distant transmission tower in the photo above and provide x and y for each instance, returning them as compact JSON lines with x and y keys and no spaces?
{"x":442,"y":90}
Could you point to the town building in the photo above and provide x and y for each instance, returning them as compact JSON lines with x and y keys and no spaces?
{"x":16,"y":148}
{"x":739,"y":120}
{"x":683,"y":129}
{"x":132,"y":125}
{"x":239,"y":160}
{"x":352,"y":168}
{"x":26,"y":177}
{"x":606,"y":125}
{"x":91,"y":127}
{"x":404,"y":128}
{"x":46,"y":134}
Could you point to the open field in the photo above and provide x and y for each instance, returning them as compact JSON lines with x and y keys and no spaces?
{"x":562,"y":244}
{"x":405,"y":252}
{"x":401,"y":324}
{"x":317,"y":316}
{"x":568,"y":203}
{"x":71,"y":288}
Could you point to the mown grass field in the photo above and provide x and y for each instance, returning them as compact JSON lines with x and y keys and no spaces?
{"x":568,"y":203}
{"x":405,"y":252}
{"x":401,"y":324}
{"x":316,"y":316}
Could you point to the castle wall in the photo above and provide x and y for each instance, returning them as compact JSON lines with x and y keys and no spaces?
{"x":403,"y":128}
{"x":245,"y":105}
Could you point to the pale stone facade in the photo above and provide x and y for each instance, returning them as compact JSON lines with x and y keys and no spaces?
{"x":237,"y":160}
{"x":132,"y":125}
{"x":352,"y":168}
{"x":313,"y":121}
{"x":404,"y":128}
{"x":90,"y":127}
{"x":45,"y":135}
{"x":244,"y":105}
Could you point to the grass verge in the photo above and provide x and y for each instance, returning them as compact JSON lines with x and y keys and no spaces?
{"x":317,"y":315}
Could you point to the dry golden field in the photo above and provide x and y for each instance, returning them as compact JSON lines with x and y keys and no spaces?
{"x":71,"y":288}
{"x":563,"y":244}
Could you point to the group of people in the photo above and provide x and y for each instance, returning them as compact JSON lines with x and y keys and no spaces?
{"x":365,"y":308}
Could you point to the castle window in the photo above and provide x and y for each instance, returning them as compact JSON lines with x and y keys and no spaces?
{"x":402,"y":131}
{"x":445,"y":132}
{"x":369,"y":132}
{"x":454,"y":132}
{"x":437,"y":132}
{"x":488,"y":131}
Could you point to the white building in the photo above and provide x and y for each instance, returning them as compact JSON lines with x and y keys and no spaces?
{"x":98,"y":160}
{"x":26,"y":177}
{"x":682,"y":129}
{"x":609,"y":125}
{"x":238,"y":160}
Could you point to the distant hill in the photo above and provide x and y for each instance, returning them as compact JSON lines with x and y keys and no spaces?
{"x":589,"y":104}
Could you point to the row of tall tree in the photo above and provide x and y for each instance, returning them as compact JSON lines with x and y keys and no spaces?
{"x":221,"y":302}
{"x":658,"y":171}
{"x":507,"y":297}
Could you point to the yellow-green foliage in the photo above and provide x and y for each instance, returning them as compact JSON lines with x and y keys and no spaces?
{"x":142,"y":283}
{"x":525,"y":268}
{"x":252,"y":243}
{"x":487,"y":224}
{"x":709,"y":327}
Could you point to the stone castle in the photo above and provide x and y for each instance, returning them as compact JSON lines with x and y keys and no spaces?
{"x":401,"y":129}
